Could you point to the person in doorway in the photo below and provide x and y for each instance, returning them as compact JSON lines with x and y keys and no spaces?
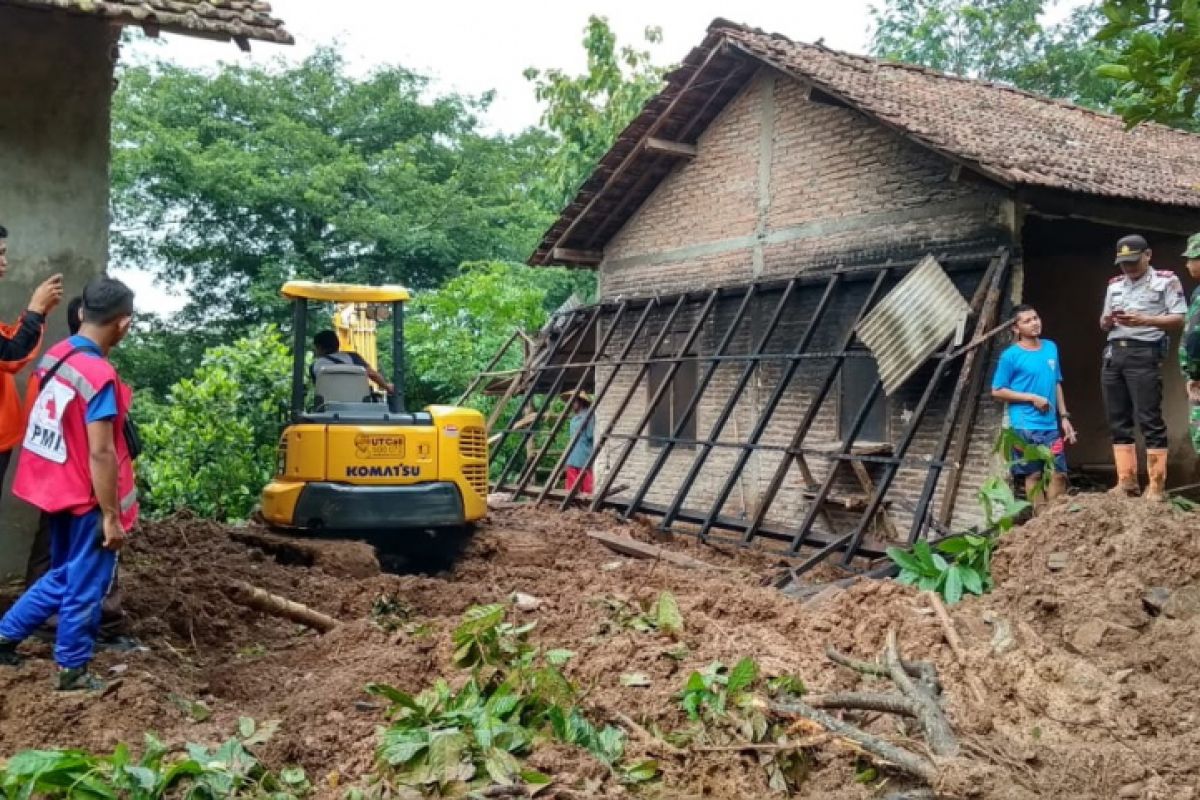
{"x":1141,"y":306}
{"x":328,"y":350}
{"x":75,"y":465}
{"x":1029,"y":379}
{"x":114,"y":624}
{"x":19,"y":343}
{"x":1189,"y":345}
{"x":582,"y":432}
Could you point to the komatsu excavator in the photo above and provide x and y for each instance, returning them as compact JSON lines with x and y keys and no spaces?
{"x":352,"y":462}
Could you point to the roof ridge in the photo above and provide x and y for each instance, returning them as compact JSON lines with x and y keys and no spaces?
{"x":722,"y":24}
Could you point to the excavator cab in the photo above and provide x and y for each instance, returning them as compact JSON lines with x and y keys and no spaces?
{"x":354,"y":463}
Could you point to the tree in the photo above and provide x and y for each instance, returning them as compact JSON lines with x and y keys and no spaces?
{"x":158,"y":353}
{"x":211,"y":446}
{"x":233,"y":183}
{"x":452,"y":333}
{"x":586,"y":112}
{"x":1157,"y":59}
{"x":999,"y":40}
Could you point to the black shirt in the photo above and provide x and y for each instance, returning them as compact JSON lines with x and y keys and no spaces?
{"x":25,"y":339}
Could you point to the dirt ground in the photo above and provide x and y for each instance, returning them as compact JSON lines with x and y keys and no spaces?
{"x":1087,"y":692}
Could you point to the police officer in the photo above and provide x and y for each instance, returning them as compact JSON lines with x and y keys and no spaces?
{"x":1142,"y":304}
{"x":1189,"y":345}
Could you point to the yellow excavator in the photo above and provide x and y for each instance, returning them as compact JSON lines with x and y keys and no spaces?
{"x":355,"y":463}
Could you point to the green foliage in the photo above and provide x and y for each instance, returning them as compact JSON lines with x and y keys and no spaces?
{"x":661,"y":616}
{"x":999,"y":40}
{"x":1157,"y":59}
{"x":212,"y":445}
{"x":158,"y":353}
{"x":962,"y":564}
{"x":1183,"y":505}
{"x":968,"y":568}
{"x":709,"y":690}
{"x":227,"y":184}
{"x":1000,"y":506}
{"x":728,"y":706}
{"x":451,"y":333}
{"x":198,"y":773}
{"x":445,"y":740}
{"x":586,"y":112}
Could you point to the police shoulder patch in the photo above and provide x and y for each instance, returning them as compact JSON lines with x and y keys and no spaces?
{"x":1115,"y":279}
{"x":1164,"y":273}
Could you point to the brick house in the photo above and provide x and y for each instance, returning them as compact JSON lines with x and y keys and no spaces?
{"x":767,"y":164}
{"x":58,"y":59}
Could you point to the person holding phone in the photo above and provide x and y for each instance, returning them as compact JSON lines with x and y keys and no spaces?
{"x":1142,"y":305}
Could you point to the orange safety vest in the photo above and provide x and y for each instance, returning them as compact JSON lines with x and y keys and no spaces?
{"x":12,"y":409}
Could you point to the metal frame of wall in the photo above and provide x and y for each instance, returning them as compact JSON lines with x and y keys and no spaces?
{"x":538,"y":383}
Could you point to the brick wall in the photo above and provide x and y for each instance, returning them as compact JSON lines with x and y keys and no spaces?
{"x":781,"y":185}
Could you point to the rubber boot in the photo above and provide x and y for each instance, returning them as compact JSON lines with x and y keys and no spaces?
{"x":1125,"y":457}
{"x":1156,"y":466}
{"x":9,"y":657}
{"x":1035,"y":494}
{"x":1058,"y":487}
{"x":78,"y":679}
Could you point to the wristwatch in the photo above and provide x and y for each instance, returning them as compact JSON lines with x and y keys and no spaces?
{"x":1065,"y":415}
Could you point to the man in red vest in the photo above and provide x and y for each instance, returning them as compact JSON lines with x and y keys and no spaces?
{"x":75,"y":465}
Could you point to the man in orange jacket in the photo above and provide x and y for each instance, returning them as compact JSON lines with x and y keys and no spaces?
{"x":19,"y":343}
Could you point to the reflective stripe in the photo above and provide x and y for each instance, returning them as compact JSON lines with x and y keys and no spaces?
{"x":75,"y":379}
{"x":70,"y":376}
{"x":128,"y":500}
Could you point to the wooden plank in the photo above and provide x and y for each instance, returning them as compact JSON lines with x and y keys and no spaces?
{"x":590,"y":257}
{"x":632,"y":547}
{"x":868,"y":487}
{"x":669,"y":148}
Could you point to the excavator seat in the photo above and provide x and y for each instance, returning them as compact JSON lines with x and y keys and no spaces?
{"x":341,"y":383}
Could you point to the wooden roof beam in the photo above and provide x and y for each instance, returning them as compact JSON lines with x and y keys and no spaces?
{"x":718,"y":48}
{"x":582,"y":257}
{"x":671,"y":149}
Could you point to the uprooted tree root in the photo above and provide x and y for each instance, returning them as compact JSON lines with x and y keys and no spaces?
{"x":917,"y":697}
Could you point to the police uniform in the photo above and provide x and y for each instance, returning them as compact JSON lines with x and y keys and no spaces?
{"x":1133,"y":357}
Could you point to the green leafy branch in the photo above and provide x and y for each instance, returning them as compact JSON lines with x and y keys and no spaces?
{"x":195,"y":772}
{"x":445,"y":740}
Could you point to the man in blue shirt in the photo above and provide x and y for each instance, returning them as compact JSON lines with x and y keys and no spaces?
{"x":1029,"y":379}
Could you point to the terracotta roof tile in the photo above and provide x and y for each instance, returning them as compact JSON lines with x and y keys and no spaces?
{"x":1015,"y":137}
{"x":226,"y":19}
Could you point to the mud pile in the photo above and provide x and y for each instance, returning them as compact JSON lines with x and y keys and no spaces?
{"x":1088,"y":691}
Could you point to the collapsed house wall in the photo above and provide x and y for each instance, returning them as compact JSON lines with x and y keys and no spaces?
{"x":783,"y":184}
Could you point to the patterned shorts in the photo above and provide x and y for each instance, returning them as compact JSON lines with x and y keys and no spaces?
{"x":1052,"y":439}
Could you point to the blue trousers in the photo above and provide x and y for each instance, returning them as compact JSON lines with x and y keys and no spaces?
{"x":74,"y":588}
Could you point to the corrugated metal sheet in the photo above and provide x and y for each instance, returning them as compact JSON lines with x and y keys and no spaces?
{"x":912,"y":322}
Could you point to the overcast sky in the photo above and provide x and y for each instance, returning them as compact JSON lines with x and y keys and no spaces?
{"x":473,"y":46}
